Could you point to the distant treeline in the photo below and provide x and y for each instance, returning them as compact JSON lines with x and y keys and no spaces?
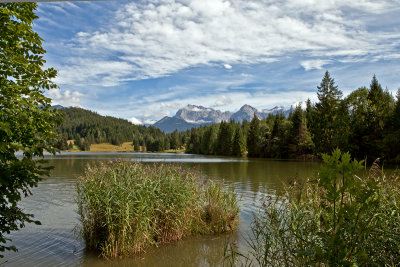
{"x":86,"y":127}
{"x":366,"y":123}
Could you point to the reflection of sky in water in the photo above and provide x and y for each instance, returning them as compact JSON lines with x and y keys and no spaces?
{"x":55,"y":243}
{"x":145,"y":157}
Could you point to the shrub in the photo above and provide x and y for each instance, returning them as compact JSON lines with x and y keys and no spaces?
{"x":336,"y":219}
{"x":126,"y":207}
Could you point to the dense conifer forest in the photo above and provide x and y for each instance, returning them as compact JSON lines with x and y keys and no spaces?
{"x":366,"y":123}
{"x":86,"y":127}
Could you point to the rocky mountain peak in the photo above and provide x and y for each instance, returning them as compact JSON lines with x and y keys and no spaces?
{"x":200,"y":114}
{"x":195,"y":116}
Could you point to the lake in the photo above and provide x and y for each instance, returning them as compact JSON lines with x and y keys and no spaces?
{"x":56,"y":242}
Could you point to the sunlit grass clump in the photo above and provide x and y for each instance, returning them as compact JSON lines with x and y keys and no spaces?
{"x":125,"y":207}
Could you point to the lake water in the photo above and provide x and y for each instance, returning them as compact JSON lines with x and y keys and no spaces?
{"x":56,"y":242}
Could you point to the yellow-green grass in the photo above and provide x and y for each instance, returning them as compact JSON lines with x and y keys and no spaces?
{"x":175,"y":150}
{"x":125,"y":207}
{"x":107,"y":147}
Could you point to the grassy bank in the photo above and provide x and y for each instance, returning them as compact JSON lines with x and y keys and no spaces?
{"x":124,"y":147}
{"x":125,"y":207}
{"x":338,"y":218}
{"x":107,"y":147}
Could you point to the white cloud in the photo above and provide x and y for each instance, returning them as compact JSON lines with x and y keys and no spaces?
{"x":164,"y":105}
{"x":227,"y":66}
{"x":156,"y":38}
{"x":143,"y":121}
{"x":66,"y":97}
{"x":135,"y":121}
{"x":83,"y":71}
{"x":314,"y":64}
{"x":222,"y":101}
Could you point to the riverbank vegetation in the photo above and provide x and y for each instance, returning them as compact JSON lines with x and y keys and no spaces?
{"x":366,"y":123}
{"x":338,"y":218}
{"x":125,"y":207}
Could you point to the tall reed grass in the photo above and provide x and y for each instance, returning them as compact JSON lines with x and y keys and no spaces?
{"x":125,"y":207}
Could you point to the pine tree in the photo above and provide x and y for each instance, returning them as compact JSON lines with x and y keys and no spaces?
{"x":309,"y":113}
{"x":280,"y":136}
{"x":253,"y":138}
{"x":358,"y":105}
{"x":194,"y":142}
{"x":239,"y":143}
{"x":325,"y":118}
{"x":224,"y":139}
{"x":136,"y":144}
{"x":380,"y":106}
{"x":208,"y":141}
{"x":392,"y":138}
{"x":175,"y":143}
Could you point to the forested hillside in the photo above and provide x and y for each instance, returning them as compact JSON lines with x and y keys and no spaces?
{"x":86,"y":127}
{"x":366,"y":123}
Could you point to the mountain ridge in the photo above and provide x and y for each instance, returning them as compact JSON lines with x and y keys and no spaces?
{"x":195,"y":116}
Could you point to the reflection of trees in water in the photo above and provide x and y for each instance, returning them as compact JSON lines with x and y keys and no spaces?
{"x":70,"y":167}
{"x":262,"y":174}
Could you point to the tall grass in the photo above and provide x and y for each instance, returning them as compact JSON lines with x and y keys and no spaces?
{"x":334,"y":219}
{"x":125,"y":207}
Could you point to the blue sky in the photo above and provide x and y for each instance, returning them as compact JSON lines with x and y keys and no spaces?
{"x":142,"y":60}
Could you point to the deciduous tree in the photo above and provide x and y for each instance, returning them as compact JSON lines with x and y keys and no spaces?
{"x":26,"y":117}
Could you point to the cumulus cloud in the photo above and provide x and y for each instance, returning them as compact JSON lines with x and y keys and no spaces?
{"x":142,"y":121}
{"x":227,"y":66}
{"x":222,"y":101}
{"x":135,"y":121}
{"x":155,"y":38}
{"x":66,"y":97}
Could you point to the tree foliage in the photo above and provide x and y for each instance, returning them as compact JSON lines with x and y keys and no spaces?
{"x":326,"y":114}
{"x":366,"y":123}
{"x":87,"y":127}
{"x":26,"y":117}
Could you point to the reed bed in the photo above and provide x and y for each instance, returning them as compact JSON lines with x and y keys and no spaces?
{"x":125,"y":207}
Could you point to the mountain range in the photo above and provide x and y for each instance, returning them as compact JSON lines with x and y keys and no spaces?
{"x":196,"y":116}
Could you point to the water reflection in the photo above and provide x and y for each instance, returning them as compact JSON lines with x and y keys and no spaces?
{"x":55,"y":243}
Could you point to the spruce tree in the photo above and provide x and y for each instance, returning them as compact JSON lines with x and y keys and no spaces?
{"x":380,"y":107}
{"x":325,"y":118}
{"x":253,"y":138}
{"x":224,"y":140}
{"x":392,"y":137}
{"x":239,"y":143}
{"x":175,"y":143}
{"x":136,"y":144}
{"x":208,"y":141}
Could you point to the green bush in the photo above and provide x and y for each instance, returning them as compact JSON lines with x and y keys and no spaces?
{"x":127,"y":206}
{"x":339,"y":218}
